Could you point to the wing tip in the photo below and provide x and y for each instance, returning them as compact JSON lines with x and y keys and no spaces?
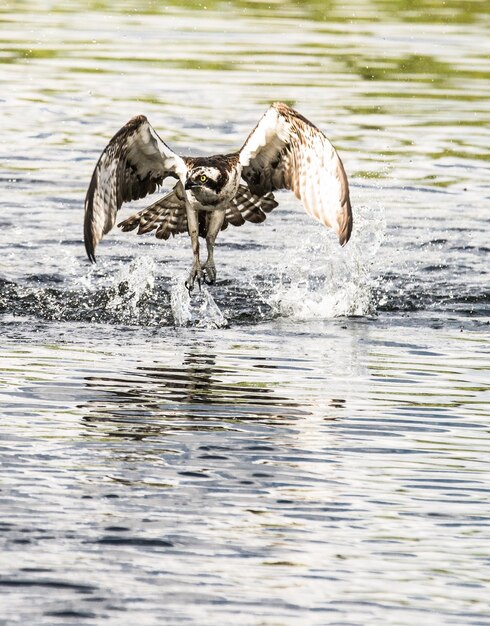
{"x":281,"y":106}
{"x":135,"y":121}
{"x":89,"y":248}
{"x":90,"y":253}
{"x":345,"y":227}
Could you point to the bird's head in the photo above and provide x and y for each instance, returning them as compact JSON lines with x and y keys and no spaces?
{"x":206,"y":183}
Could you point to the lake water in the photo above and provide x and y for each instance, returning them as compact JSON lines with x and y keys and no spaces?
{"x":306,"y":442}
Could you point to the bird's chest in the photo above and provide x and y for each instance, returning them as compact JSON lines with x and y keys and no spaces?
{"x":205,"y":202}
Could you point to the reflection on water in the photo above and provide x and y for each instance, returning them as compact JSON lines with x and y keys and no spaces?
{"x":193,"y":395}
{"x":314,"y":450}
{"x":346,"y":484}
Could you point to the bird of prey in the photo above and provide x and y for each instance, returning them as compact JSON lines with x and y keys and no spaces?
{"x":284,"y":151}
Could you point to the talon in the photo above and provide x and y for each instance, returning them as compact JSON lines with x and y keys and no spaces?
{"x":196,"y":274}
{"x":209,"y":274}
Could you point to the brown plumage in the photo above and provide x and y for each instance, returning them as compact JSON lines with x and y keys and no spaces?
{"x":168,"y":216}
{"x":131,"y":167}
{"x":284,"y":151}
{"x":298,"y":157}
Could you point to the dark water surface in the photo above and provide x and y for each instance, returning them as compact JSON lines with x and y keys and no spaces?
{"x":307,"y":442}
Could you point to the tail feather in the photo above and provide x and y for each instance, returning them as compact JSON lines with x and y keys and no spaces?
{"x":167,"y":216}
{"x":249,"y":207}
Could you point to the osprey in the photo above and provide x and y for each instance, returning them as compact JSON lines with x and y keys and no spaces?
{"x":284,"y":151}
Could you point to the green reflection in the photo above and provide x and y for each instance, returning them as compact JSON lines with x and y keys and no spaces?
{"x":423,"y":68}
{"x":433,"y":11}
{"x":418,"y":11}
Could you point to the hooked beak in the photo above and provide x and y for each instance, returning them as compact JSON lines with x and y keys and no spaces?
{"x":190,"y":185}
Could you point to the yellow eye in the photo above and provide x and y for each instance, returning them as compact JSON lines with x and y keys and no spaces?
{"x":203,"y":178}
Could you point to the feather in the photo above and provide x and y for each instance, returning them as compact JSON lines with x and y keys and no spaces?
{"x":286,"y":151}
{"x":249,"y":207}
{"x":167,"y":216}
{"x":133,"y":165}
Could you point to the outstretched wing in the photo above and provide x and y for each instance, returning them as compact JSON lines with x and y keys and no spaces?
{"x":132,"y":165}
{"x":286,"y":151}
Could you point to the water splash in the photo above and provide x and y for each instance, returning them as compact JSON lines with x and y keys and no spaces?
{"x":325,"y":281}
{"x":196,"y":309}
{"x":132,"y":288}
